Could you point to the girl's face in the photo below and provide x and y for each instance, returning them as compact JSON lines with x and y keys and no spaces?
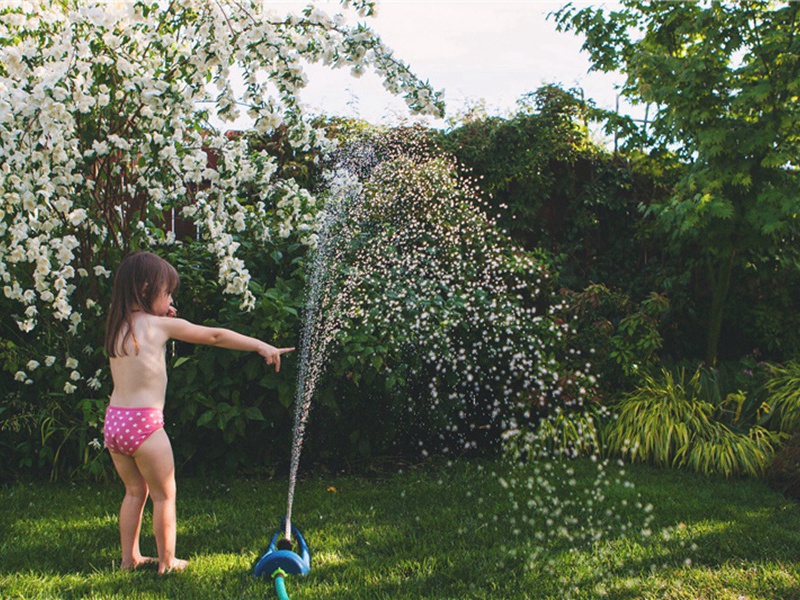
{"x":162,"y":304}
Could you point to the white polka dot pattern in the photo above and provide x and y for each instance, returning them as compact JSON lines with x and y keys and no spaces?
{"x":126,"y":429}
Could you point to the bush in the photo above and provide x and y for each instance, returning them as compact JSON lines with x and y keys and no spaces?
{"x":783,"y":396}
{"x":765,"y":315}
{"x":448,"y":334}
{"x":623,"y":338}
{"x":104,"y":134}
{"x":669,"y":421}
{"x":227,"y":409}
{"x":553,"y":188}
{"x":224,"y":409}
{"x":51,"y":410}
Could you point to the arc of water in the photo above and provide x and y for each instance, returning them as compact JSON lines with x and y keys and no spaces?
{"x":318,"y":328}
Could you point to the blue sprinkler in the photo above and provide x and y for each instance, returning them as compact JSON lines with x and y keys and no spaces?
{"x":280,"y":560}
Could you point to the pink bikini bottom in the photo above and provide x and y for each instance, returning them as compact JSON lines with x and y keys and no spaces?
{"x":126,"y":428}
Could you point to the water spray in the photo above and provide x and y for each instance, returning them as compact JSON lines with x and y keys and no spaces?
{"x":281,"y":557}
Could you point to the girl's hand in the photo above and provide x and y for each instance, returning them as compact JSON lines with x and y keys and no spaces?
{"x":272,"y":355}
{"x":171,"y":312}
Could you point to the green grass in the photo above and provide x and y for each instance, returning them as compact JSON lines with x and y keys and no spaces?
{"x":416,"y":534}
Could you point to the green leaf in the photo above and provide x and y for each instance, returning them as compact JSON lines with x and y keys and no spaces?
{"x":253,"y":413}
{"x":206,"y":418}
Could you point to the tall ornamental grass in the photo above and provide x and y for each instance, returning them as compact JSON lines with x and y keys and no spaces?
{"x":669,"y":421}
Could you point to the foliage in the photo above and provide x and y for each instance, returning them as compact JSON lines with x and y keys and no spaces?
{"x":552,"y":187}
{"x":447,"y":330}
{"x":760,"y":318}
{"x":45,"y":431}
{"x":722,"y":77}
{"x":783,"y":396}
{"x":669,"y":420}
{"x":516,"y":161}
{"x":768,"y":314}
{"x":622,"y":337}
{"x":226,"y":410}
{"x":784,"y":472}
{"x":105,"y":138}
{"x":562,"y":434}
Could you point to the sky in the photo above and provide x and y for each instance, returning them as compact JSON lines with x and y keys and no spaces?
{"x":490,"y":51}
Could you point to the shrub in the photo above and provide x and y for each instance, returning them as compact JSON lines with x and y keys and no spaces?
{"x":105,"y":136}
{"x":562,"y":433}
{"x":667,"y":420}
{"x":764,"y":314}
{"x":552,"y":187}
{"x":783,"y":396}
{"x":623,"y":338}
{"x":226,"y":409}
{"x":449,"y":333}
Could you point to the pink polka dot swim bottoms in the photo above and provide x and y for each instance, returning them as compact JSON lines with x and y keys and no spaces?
{"x":126,"y":429}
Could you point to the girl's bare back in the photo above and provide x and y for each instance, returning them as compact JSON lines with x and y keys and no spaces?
{"x":140,"y":375}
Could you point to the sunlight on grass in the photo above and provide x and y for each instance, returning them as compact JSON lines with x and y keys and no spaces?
{"x":329,"y":559}
{"x":415,"y":535}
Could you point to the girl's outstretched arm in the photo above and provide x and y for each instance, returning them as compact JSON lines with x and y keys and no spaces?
{"x":183,"y":330}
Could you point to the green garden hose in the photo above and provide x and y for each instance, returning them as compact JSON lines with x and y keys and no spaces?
{"x":280,"y":585}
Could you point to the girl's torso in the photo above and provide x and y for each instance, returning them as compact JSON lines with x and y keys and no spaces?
{"x":140,"y":379}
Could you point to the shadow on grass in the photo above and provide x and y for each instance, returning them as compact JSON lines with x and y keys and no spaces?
{"x":708,"y":535}
{"x":429,"y":534}
{"x":56,"y":529}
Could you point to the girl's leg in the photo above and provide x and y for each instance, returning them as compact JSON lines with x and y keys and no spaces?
{"x":130,"y":512}
{"x":155,"y":462}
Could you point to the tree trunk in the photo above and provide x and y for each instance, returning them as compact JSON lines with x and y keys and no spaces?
{"x":720,"y":284}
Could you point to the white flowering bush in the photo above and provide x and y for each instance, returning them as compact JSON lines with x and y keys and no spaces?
{"x":106,"y":138}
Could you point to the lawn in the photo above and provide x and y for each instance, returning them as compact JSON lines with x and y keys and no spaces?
{"x":436,"y":531}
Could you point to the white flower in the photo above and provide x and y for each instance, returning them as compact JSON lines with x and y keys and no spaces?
{"x":32,"y":365}
{"x":77,"y":216}
{"x":26,"y":325}
{"x":95,"y":443}
{"x":44,"y":165}
{"x":72,"y":363}
{"x":100,"y":148}
{"x":75,"y":376}
{"x":62,"y":307}
{"x":20,"y":376}
{"x":49,"y":361}
{"x":62,"y":205}
{"x":69,"y":388}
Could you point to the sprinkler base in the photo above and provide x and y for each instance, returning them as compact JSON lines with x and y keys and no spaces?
{"x":285,"y":544}
{"x":293,"y":563}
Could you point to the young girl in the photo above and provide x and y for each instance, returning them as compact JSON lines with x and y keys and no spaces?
{"x":140,"y":322}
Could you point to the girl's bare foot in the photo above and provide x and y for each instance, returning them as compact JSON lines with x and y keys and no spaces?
{"x":138,"y":562}
{"x":176,"y":564}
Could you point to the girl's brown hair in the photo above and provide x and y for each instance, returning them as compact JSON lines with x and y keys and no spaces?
{"x":140,"y":278}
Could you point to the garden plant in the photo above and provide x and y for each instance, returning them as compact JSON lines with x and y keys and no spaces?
{"x":535,"y":366}
{"x":107,"y":140}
